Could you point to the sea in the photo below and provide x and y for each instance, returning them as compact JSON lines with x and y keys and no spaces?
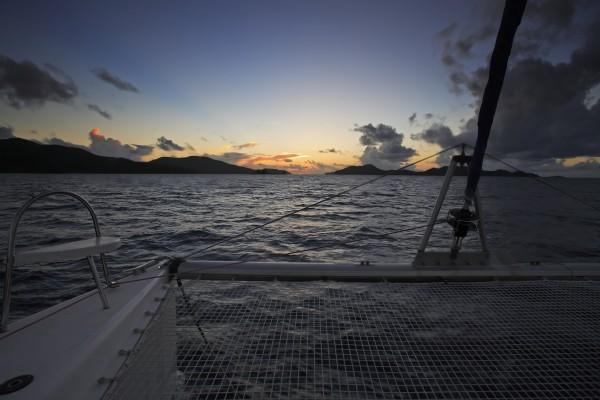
{"x":158,"y":215}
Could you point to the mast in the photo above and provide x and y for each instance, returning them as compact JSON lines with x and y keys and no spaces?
{"x":511,"y":18}
{"x":464,"y":219}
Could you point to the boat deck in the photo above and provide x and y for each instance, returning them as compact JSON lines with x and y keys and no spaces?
{"x":330,"y":340}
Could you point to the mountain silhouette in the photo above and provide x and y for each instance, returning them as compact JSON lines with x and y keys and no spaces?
{"x":24,"y":156}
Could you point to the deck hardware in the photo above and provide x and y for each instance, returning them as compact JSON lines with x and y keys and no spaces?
{"x":174,"y":274}
{"x":16,"y":383}
{"x":461,"y":220}
{"x":11,"y":258}
{"x":189,"y":306}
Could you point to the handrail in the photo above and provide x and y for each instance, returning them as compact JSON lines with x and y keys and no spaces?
{"x":10,"y":258}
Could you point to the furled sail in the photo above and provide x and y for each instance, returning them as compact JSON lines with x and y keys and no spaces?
{"x":511,"y":18}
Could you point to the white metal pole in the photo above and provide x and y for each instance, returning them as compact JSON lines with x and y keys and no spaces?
{"x":438,"y":206}
{"x":97,"y":280}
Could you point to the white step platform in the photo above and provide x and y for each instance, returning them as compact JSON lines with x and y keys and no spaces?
{"x":76,"y":250}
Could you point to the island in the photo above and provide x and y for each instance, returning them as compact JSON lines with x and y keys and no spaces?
{"x":370,"y":169}
{"x":25,"y":156}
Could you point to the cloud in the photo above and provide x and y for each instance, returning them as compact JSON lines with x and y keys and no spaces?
{"x":412,"y":118}
{"x":317,"y":167}
{"x":110,"y":147}
{"x":203,"y":139}
{"x":545,"y":23}
{"x":168,"y":145}
{"x":544,"y":112}
{"x":429,"y":115}
{"x":291,"y":162}
{"x":255,"y":160}
{"x":33,"y":131}
{"x":114,"y":80}
{"x":245,"y":145}
{"x":100,"y":111}
{"x":6,"y":132}
{"x":24,"y":84}
{"x":59,"y":142}
{"x":330,"y":150}
{"x":383,"y":146}
{"x":436,"y":134}
{"x":230,"y":157}
{"x":272,"y":158}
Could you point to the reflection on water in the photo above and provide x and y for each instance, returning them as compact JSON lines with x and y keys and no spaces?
{"x":163,"y":214}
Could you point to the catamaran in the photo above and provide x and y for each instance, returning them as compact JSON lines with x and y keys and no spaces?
{"x":455,"y":324}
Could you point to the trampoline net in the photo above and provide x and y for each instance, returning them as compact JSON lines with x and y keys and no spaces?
{"x":327,"y":340}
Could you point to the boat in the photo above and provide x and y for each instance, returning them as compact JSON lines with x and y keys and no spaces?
{"x":455,"y":324}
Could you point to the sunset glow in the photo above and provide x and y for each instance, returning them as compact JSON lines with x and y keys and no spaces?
{"x":365,"y":83}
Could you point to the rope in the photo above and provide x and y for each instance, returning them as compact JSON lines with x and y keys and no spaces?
{"x":289,"y":214}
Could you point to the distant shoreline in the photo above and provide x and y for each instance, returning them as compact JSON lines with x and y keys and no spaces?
{"x":370,"y":169}
{"x":20,"y":156}
{"x":25,"y":156}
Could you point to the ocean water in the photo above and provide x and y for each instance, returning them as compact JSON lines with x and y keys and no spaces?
{"x":170,"y":214}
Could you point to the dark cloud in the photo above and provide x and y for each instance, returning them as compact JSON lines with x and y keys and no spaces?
{"x":33,"y":131}
{"x":168,"y":145}
{"x":546,"y":110}
{"x":436,"y":134}
{"x":383,"y":146}
{"x":203,"y":139}
{"x":110,"y":147}
{"x":545,"y":23}
{"x":114,"y":80}
{"x":245,"y":145}
{"x":103,"y":146}
{"x":428,"y":115}
{"x":24,"y":84}
{"x":330,"y":150}
{"x":230,"y":157}
{"x":412,"y":118}
{"x":60,"y":142}
{"x":6,"y":132}
{"x":100,"y":111}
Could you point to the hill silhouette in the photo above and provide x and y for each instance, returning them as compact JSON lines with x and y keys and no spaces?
{"x":370,"y":169}
{"x":24,"y":156}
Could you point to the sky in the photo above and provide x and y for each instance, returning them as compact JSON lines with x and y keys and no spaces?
{"x":307,"y":86}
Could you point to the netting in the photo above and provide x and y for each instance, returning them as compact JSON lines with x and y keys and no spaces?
{"x":150,"y":368}
{"x":326,"y":340}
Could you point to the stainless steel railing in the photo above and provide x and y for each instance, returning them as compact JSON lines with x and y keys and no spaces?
{"x":10,"y":258}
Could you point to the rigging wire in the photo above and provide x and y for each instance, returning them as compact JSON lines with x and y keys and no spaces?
{"x":289,"y":214}
{"x":327,"y":245}
{"x":543,"y":182}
